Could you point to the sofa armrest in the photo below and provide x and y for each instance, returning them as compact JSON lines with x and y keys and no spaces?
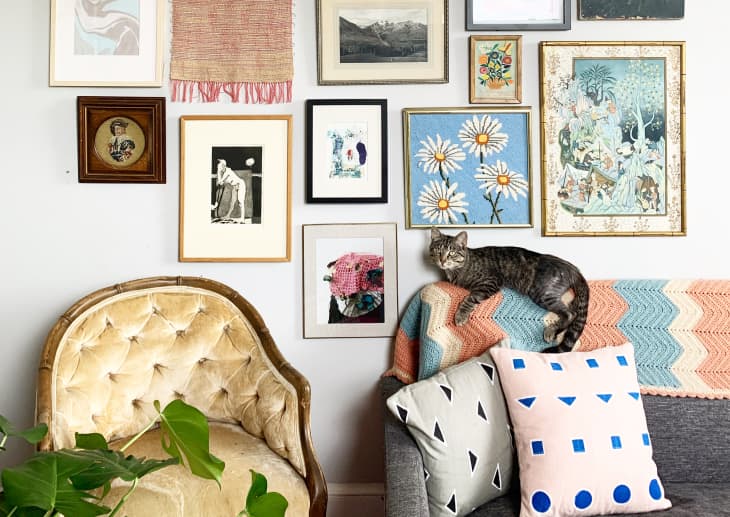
{"x":405,"y":487}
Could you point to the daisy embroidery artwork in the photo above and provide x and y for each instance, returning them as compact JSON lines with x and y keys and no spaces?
{"x":467,"y":167}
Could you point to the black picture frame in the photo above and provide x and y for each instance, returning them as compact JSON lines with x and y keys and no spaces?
{"x":347,"y":153}
{"x":529,"y":24}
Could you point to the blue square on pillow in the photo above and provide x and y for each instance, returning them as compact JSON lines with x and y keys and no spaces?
{"x":518,"y":364}
{"x":622,"y":360}
{"x":537,"y":447}
{"x":592,"y":363}
{"x":556,"y":366}
{"x":579,"y":445}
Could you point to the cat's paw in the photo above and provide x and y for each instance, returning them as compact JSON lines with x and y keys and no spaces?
{"x":549,"y":334}
{"x":461,"y":317}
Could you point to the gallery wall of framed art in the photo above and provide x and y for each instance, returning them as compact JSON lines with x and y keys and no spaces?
{"x":359,"y":65}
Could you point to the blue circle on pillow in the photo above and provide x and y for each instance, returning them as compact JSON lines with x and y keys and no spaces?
{"x":541,"y":501}
{"x":655,"y":489}
{"x":583,"y":499}
{"x":622,"y":494}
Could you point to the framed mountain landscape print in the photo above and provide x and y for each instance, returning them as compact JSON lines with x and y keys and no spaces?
{"x":467,"y":167}
{"x":495,"y":69}
{"x":382,"y":42}
{"x":613,"y":151}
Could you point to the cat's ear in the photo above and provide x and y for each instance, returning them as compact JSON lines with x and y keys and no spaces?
{"x":435,"y":233}
{"x":460,"y":238}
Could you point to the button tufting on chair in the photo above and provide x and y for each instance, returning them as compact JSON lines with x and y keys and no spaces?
{"x":183,"y":338}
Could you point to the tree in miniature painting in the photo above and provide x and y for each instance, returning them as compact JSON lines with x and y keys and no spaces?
{"x":347,"y":150}
{"x":356,"y":287}
{"x":468,"y":169}
{"x":494,"y":61}
{"x":612,"y":138}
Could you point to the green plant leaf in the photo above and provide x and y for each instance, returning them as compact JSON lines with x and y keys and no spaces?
{"x":106,"y":465}
{"x":259,"y":503}
{"x":32,"y":435}
{"x":271,"y":504}
{"x":91,"y":441}
{"x":258,"y":487}
{"x":185,"y":435}
{"x":42,"y":481}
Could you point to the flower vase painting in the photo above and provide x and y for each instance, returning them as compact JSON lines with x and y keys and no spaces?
{"x":494,"y":72}
{"x":468,"y":167}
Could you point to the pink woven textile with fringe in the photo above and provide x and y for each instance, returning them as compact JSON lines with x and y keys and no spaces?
{"x":239,"y":48}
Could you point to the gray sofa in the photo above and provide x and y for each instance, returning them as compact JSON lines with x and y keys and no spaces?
{"x":690,"y":437}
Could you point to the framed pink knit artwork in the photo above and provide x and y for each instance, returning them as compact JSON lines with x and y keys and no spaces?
{"x":235,"y":188}
{"x":382,"y":42}
{"x":350,"y":280}
{"x":107,"y":42}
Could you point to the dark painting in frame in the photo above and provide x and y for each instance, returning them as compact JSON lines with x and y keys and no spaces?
{"x":630,"y":10}
{"x":121,"y":139}
{"x":347,"y":152}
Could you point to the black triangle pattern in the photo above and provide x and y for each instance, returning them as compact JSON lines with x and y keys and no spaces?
{"x":402,"y":413}
{"x":473,"y":459}
{"x":426,"y":474}
{"x":481,"y":412}
{"x":451,"y":505}
{"x":489,"y":370}
{"x":447,"y":391}
{"x":497,"y":479}
{"x":437,"y":433}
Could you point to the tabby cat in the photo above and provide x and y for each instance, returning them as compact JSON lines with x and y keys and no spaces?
{"x":544,"y":278}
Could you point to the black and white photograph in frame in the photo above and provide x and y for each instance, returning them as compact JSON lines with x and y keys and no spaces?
{"x":236,"y":185}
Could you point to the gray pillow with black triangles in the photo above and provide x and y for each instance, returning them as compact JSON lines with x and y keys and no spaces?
{"x":459,"y":421}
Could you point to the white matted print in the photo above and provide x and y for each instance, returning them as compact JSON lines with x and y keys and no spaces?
{"x":235,"y":188}
{"x":346,"y":151}
{"x":350,"y":280}
{"x":106,"y":42}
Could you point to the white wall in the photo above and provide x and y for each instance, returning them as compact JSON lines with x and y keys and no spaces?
{"x":60,"y":239}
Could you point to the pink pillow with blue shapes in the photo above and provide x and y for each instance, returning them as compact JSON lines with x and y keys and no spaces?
{"x":582,"y":442}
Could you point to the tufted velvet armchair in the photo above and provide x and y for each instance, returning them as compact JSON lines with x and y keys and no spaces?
{"x":117,"y":350}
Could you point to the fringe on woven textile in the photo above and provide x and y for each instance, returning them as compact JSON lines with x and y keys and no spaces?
{"x":249,"y":93}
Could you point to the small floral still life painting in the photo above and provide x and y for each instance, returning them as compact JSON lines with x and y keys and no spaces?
{"x":494,"y":71}
{"x":468,"y":167}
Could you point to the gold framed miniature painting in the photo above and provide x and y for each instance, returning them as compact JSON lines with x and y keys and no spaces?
{"x":495,"y":69}
{"x":612,"y":122}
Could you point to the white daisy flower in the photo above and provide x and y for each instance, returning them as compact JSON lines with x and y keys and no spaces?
{"x":483,"y":136}
{"x":440,"y":155}
{"x":499,"y":178}
{"x":441,"y":203}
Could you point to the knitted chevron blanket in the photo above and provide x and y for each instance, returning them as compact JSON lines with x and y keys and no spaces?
{"x":680,"y":330}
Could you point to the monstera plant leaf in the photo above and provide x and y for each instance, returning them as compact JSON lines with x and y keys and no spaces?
{"x":185,"y":436}
{"x":32,"y":435}
{"x":260,"y":503}
{"x":43,"y":482}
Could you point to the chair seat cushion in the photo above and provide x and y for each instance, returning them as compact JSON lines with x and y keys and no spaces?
{"x":175,"y":492}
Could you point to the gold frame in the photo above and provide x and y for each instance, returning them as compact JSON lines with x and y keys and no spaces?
{"x":516,"y":70}
{"x":553,"y":57}
{"x":196,"y":152}
{"x":407,"y":165}
{"x":99,"y":67}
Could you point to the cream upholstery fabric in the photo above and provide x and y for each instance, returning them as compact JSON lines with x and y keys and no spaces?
{"x":165,"y":343}
{"x":175,"y":492}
